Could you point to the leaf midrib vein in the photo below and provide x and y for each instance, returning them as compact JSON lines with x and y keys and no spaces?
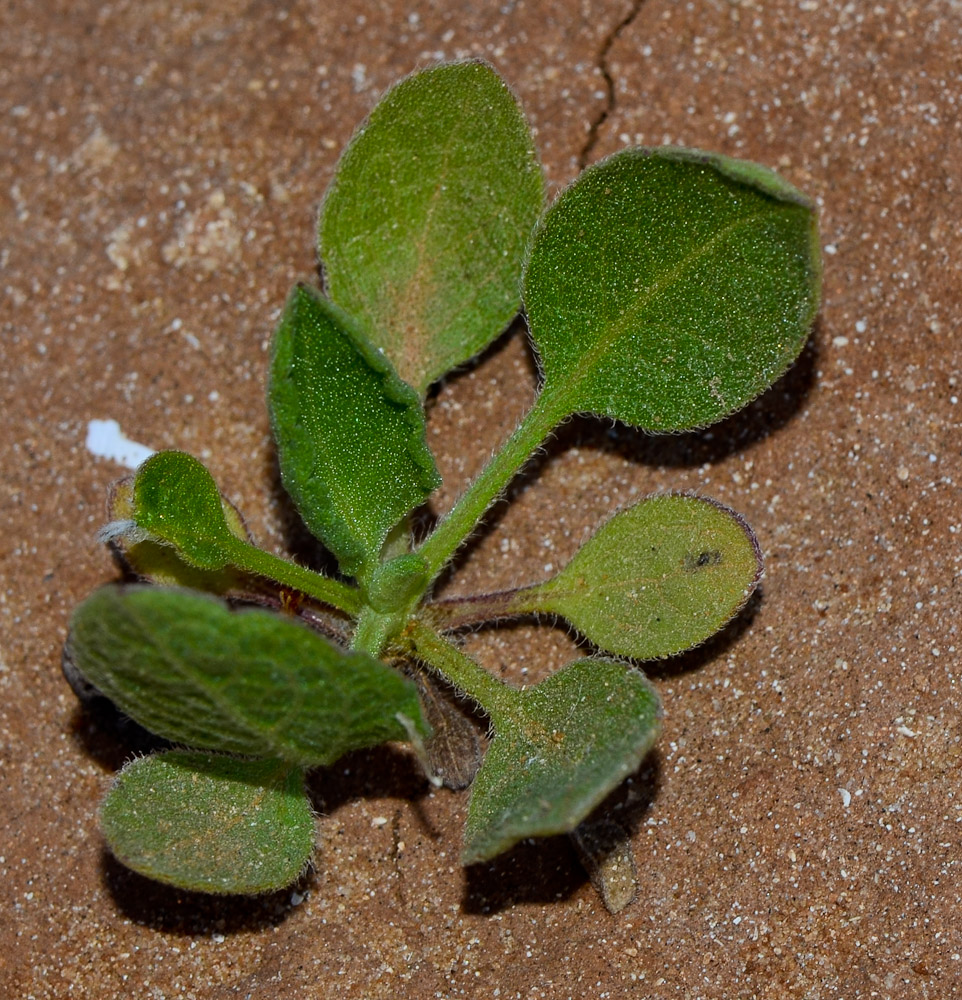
{"x":588,"y":361}
{"x":179,"y":667}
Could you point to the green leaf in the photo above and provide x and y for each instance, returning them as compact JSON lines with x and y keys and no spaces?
{"x":159,"y":562}
{"x":423,"y":230}
{"x":349,"y":432}
{"x":563,"y":746}
{"x":669,"y":287}
{"x":173,"y":527}
{"x":210,"y":823}
{"x":175,"y":500}
{"x":249,"y":682}
{"x":657,"y":578}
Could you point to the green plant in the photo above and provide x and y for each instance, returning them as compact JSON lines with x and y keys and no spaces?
{"x":665,"y":288}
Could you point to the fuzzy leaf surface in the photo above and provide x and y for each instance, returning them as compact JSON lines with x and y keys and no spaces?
{"x":210,"y":823}
{"x":159,"y":562}
{"x":349,"y":432}
{"x":423,"y":229}
{"x":657,"y":578}
{"x":669,"y":287}
{"x":250,"y":682}
{"x":176,"y":501}
{"x":566,"y":743}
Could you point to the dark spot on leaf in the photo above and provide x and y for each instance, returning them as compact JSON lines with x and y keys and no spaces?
{"x":695,"y":561}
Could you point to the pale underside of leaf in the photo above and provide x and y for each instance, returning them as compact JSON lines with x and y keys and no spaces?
{"x":604,"y":849}
{"x":210,"y":823}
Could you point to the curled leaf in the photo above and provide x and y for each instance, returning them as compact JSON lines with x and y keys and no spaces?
{"x":559,"y":749}
{"x":174,"y":500}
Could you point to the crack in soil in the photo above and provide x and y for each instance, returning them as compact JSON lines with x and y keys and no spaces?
{"x":594,"y":131}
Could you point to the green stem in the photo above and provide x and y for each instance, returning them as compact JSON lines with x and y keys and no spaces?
{"x":322,"y":588}
{"x":375,"y":630}
{"x":449,"y":535}
{"x":493,"y":695}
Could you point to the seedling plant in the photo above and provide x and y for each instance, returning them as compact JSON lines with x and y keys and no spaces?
{"x":665,"y":288}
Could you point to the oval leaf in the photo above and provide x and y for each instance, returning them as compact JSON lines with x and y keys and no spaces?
{"x":424,"y":226}
{"x":349,"y":432}
{"x":159,"y":562}
{"x":563,"y":747}
{"x":248,"y":682}
{"x":668,"y":288}
{"x":175,"y":500}
{"x":657,"y":578}
{"x":210,"y":823}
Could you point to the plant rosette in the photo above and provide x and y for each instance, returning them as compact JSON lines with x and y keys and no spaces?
{"x":665,"y":288}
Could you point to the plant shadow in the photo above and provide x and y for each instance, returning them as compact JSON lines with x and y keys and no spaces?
{"x":299,"y":544}
{"x":773,"y":410}
{"x":547,"y":870}
{"x":388,"y":771}
{"x":108,"y":737}
{"x":178,"y":911}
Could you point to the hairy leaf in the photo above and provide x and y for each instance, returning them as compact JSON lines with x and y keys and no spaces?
{"x":669,"y":287}
{"x":173,"y":499}
{"x":349,"y":432}
{"x":657,"y":578}
{"x":565,"y":744}
{"x":249,"y":682}
{"x":423,"y":229}
{"x":210,"y":823}
{"x":159,"y":562}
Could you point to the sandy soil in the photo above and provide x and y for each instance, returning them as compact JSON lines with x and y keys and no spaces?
{"x":797,"y":830}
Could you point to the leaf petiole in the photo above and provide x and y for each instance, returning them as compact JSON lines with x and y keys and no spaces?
{"x":470,"y":678}
{"x":451,"y":613}
{"x":466,"y":514}
{"x":289,"y":574}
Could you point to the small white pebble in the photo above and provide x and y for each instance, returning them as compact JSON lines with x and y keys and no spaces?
{"x":846,"y":797}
